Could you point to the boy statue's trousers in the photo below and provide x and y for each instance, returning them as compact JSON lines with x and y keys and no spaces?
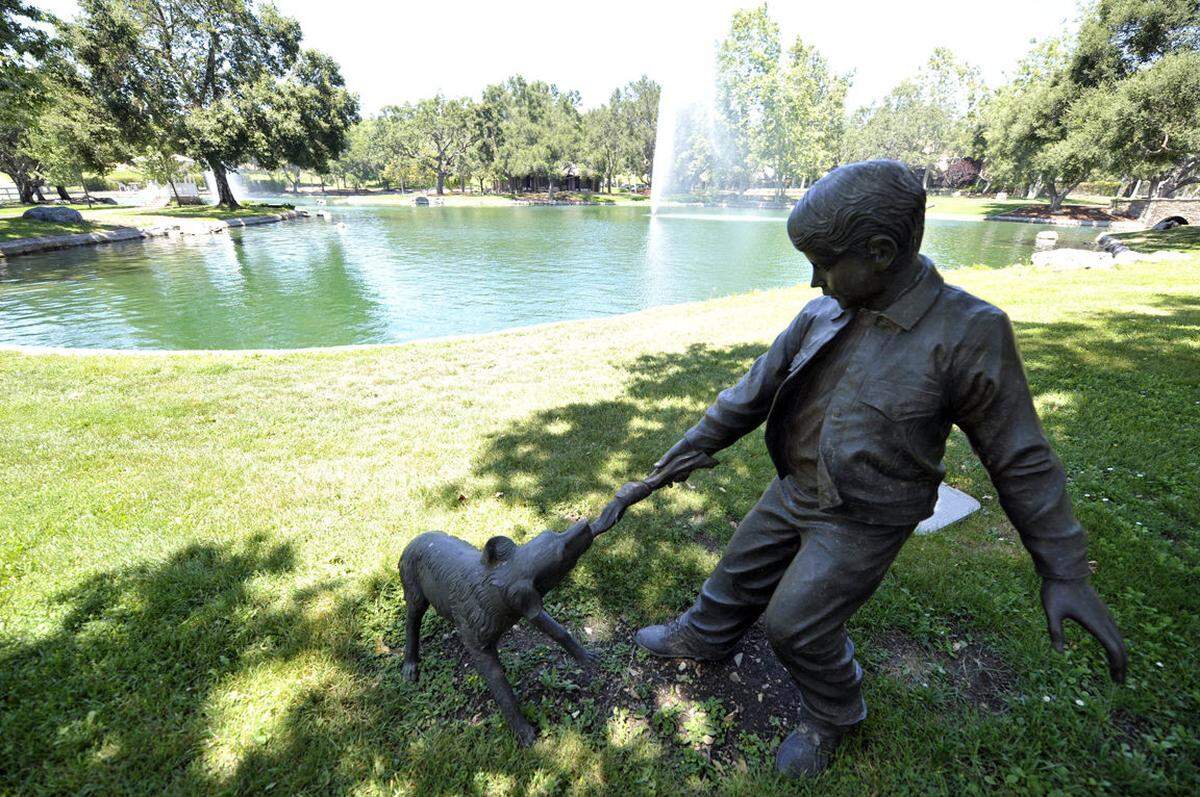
{"x":806,"y":571}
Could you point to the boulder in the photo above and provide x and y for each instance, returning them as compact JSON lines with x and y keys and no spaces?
{"x":52,"y":213}
{"x":1070,"y":259}
{"x":104,"y":200}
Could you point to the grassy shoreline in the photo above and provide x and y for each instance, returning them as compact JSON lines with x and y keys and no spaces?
{"x":198,"y":589}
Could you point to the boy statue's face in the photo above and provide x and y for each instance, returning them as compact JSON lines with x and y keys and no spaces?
{"x":855,"y":277}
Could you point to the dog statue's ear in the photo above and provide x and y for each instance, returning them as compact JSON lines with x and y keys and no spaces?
{"x":498,"y":549}
{"x":523,"y":597}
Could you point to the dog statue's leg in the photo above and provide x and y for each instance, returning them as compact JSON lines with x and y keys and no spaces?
{"x":551,"y":628}
{"x":489,"y":666}
{"x":417,"y":604}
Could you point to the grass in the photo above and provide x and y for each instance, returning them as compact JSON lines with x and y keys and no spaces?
{"x":198,"y":591}
{"x":959,"y":207}
{"x":98,"y":218}
{"x":1181,"y":239}
{"x":15,"y":229}
{"x":454,"y":199}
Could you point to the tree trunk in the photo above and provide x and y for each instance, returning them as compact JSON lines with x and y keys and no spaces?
{"x":25,"y":189}
{"x":441,"y":183}
{"x":37,"y":191}
{"x":1057,"y":196}
{"x":62,"y":193}
{"x":174,"y":191}
{"x":225,"y":196}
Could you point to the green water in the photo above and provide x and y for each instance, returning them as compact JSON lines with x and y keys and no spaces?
{"x":387,"y":274}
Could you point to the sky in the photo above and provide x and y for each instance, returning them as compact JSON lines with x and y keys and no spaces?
{"x":400,"y":51}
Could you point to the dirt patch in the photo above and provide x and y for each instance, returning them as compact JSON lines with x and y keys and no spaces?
{"x":706,"y":706}
{"x":1131,"y":728}
{"x":723,"y":712}
{"x":973,"y":671}
{"x":1065,"y":213}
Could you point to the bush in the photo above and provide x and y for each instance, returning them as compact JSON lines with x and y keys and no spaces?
{"x":1098,"y":188}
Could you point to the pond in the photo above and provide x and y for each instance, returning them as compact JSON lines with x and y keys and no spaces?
{"x":383,"y":274}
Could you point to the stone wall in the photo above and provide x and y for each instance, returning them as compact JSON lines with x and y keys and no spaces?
{"x":1151,"y":211}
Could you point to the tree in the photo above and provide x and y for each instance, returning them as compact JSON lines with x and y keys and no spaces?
{"x":1029,"y":129}
{"x":930,"y":118}
{"x":783,"y":112}
{"x":1146,"y":126}
{"x":814,"y":112}
{"x":72,"y":134}
{"x":435,"y":132}
{"x":537,"y":128}
{"x":607,"y":136}
{"x":640,"y":114}
{"x":748,"y":95}
{"x":23,"y":45}
{"x":222,"y":81}
{"x":1139,"y":61}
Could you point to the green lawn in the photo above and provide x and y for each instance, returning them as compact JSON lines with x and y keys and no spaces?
{"x":14,"y":229}
{"x":198,"y":587}
{"x":106,"y":217}
{"x":1183,"y":239}
{"x":979,"y":207}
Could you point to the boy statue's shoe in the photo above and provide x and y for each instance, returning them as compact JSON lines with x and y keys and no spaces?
{"x":676,"y":640}
{"x":808,"y":749}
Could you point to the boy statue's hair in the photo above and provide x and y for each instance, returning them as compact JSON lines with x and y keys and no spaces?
{"x":855,"y":202}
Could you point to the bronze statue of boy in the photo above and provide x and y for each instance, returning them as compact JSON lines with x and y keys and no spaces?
{"x":858,"y":395}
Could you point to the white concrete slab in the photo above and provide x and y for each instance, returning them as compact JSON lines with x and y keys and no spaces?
{"x":952,"y":506}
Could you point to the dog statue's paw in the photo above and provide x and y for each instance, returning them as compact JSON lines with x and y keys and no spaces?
{"x":526,"y":735}
{"x":588,"y":658}
{"x":411,"y":671}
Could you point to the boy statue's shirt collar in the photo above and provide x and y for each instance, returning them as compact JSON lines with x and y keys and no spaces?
{"x":911,"y":305}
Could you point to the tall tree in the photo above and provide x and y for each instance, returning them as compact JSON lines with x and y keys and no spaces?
{"x":23,"y":44}
{"x":783,"y":111}
{"x":223,"y":81}
{"x":814,"y":113}
{"x":607,"y":137}
{"x":748,"y":94}
{"x":1139,"y":61}
{"x":640,"y":113}
{"x":1029,"y":127}
{"x":72,"y":133}
{"x":436,"y":132}
{"x":927,"y":119}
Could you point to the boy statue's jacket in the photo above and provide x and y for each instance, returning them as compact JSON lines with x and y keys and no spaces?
{"x":937,"y":356}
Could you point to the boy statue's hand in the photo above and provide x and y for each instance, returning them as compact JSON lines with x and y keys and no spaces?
{"x":678,"y":463}
{"x":1077,"y":600}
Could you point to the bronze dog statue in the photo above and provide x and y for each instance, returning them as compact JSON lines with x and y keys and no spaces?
{"x":485,"y":593}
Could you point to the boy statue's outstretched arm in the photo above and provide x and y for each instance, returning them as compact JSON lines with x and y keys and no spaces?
{"x":992,"y":404}
{"x":741,"y":408}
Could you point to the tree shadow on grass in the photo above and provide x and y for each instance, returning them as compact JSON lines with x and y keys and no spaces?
{"x":127,"y":692}
{"x":569,"y":460}
{"x":120,"y":696}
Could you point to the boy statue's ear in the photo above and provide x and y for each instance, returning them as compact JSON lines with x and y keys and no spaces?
{"x":498,"y":549}
{"x":882,"y":250}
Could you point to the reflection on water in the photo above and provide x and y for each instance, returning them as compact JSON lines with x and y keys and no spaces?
{"x":399,"y":273}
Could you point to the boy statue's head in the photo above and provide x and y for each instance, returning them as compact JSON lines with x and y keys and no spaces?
{"x":860,"y":226}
